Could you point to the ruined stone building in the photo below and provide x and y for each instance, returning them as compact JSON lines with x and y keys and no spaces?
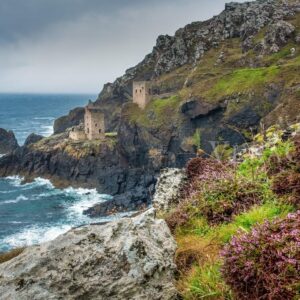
{"x":141,"y":93}
{"x":93,"y":127}
{"x":94,"y":123}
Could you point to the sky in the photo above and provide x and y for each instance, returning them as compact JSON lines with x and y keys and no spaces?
{"x":76,"y":46}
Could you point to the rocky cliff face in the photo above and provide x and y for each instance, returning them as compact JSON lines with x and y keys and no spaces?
{"x":74,"y":118}
{"x":125,"y":259}
{"x":190,"y":44}
{"x":8,"y":141}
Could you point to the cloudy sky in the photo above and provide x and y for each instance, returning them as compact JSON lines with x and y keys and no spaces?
{"x":75,"y":46}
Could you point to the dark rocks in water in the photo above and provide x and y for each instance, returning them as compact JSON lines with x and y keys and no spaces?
{"x":32,"y":139}
{"x":128,"y":202}
{"x":74,"y":118}
{"x":8,"y":141}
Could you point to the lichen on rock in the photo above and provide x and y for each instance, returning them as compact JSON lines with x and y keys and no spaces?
{"x":131,"y":258}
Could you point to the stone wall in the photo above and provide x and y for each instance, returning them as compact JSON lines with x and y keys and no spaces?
{"x":77,"y":135}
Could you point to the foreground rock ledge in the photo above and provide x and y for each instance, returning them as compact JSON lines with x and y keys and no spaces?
{"x":130,"y":258}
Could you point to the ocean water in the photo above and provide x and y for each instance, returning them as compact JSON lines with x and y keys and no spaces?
{"x":37,"y":212}
{"x":25,"y":114}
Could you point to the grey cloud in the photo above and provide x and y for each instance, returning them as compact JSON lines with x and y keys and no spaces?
{"x":78,"y":45}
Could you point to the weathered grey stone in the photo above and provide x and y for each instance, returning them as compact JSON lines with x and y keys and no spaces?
{"x":8,"y":141}
{"x":168,"y":188}
{"x":277,"y":34}
{"x":32,"y":139}
{"x":124,"y":259}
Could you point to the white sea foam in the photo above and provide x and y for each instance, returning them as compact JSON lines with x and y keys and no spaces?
{"x":2,"y":155}
{"x":74,"y":200}
{"x":47,"y":130}
{"x":44,"y":118}
{"x":17,"y":182}
{"x":35,"y":235}
{"x":18,"y":199}
{"x":87,"y":198}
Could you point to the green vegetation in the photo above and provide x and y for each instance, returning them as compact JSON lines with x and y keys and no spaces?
{"x":197,"y":138}
{"x":242,"y":81}
{"x":206,"y":283}
{"x":227,"y":200}
{"x":111,"y":134}
{"x":159,"y":112}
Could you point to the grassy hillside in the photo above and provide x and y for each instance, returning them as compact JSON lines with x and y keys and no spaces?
{"x":227,"y":74}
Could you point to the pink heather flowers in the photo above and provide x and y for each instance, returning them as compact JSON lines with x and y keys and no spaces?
{"x":265,"y":263}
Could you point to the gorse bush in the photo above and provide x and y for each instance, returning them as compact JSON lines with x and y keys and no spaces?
{"x":265,"y":263}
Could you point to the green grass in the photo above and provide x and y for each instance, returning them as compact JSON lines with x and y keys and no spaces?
{"x":243,"y":80}
{"x":207,"y":283}
{"x":157,"y":113}
{"x":244,"y":222}
{"x":111,"y":134}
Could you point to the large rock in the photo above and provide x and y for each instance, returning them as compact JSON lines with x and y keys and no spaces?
{"x":32,"y":139}
{"x":169,"y":188}
{"x":277,"y":35}
{"x":8,"y":141}
{"x":74,"y":118}
{"x":125,"y":259}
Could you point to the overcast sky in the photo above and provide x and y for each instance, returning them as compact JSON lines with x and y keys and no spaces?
{"x":75,"y":46}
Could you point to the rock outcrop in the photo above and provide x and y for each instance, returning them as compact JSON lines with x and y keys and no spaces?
{"x":74,"y":118}
{"x":131,"y":258}
{"x":168,"y":188}
{"x":8,"y":141}
{"x":32,"y":139}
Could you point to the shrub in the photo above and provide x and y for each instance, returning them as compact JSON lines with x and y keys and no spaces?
{"x":179,"y":217}
{"x":204,"y":169}
{"x":288,"y":183}
{"x":265,"y":263}
{"x":286,"y":174}
{"x":223,"y":199}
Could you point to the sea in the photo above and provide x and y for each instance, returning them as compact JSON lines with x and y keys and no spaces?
{"x":37,"y":212}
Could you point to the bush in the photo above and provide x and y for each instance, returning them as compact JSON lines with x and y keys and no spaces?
{"x":203,"y":169}
{"x":288,"y":183}
{"x":224,"y":199}
{"x":286,"y":174}
{"x":265,"y":263}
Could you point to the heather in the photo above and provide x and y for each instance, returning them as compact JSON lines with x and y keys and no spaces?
{"x":231,"y":202}
{"x":265,"y":263}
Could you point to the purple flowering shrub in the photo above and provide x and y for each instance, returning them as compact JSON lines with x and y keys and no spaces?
{"x":265,"y":263}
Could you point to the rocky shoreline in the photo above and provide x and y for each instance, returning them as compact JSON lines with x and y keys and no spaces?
{"x":131,"y":258}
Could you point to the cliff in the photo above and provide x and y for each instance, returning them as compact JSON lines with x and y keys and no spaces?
{"x":217,"y":81}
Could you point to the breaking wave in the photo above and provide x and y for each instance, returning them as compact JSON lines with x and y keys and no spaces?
{"x":41,"y":212}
